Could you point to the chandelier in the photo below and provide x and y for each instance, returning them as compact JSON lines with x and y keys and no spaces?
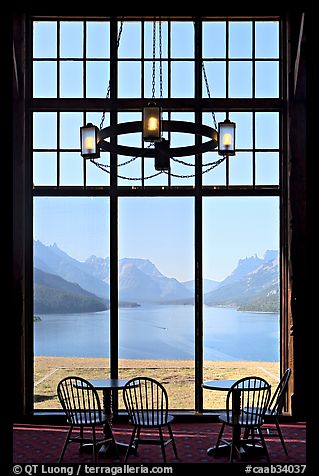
{"x":221,"y":136}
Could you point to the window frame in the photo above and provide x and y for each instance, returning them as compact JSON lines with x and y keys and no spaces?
{"x":198,"y":105}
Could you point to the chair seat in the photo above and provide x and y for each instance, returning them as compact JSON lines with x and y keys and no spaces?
{"x":147,"y":419}
{"x":243,"y":420}
{"x":87,"y":419}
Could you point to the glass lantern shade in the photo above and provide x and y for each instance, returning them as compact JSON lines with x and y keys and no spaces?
{"x":89,"y":142}
{"x":226,"y":138}
{"x":152,"y":124}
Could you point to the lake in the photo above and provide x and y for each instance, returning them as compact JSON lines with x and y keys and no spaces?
{"x":161,"y":332}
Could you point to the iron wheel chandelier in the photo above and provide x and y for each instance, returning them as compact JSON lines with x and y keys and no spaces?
{"x":94,"y":139}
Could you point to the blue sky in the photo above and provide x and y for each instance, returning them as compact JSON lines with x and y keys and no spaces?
{"x":160,"y":229}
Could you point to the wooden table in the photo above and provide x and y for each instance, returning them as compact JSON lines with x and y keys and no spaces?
{"x":107,"y":386}
{"x":225,"y":386}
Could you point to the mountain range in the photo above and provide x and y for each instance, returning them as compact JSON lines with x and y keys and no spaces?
{"x":64,"y":284}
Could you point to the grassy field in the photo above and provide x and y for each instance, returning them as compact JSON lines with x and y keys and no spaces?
{"x":176,"y":375}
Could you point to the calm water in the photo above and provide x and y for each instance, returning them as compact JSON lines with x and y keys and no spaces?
{"x":161,"y":332}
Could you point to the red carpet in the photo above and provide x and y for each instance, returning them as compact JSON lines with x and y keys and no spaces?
{"x":43,"y":444}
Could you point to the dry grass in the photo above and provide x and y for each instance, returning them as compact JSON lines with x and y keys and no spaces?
{"x":176,"y":375}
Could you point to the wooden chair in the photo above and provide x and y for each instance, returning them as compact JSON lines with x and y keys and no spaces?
{"x":81,"y":404}
{"x":276,"y":405}
{"x":146,"y":402}
{"x":246,"y":405}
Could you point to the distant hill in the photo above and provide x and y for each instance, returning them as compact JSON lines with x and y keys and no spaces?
{"x":53,"y":294}
{"x":55,"y":261}
{"x":252,"y":286}
{"x":209,"y":285}
{"x":139,"y":280}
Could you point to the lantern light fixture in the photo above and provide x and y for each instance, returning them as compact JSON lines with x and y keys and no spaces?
{"x":89,"y":136}
{"x":152,"y":129}
{"x":94,"y":139}
{"x":226,"y":137}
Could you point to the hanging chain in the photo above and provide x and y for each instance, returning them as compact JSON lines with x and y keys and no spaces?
{"x":210,"y":165}
{"x":213,"y":165}
{"x":208,"y":93}
{"x":105,"y":167}
{"x":109,"y":85}
{"x":207,"y":88}
{"x":219,"y":161}
{"x":160,"y":57}
{"x":154,"y":64}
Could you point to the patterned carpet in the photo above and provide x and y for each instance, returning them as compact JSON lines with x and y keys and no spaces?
{"x":43,"y":444}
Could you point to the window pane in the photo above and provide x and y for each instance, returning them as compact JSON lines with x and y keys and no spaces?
{"x":179,"y":139}
{"x":267,"y":168}
{"x":156,"y":243}
{"x":44,"y":130}
{"x":71,"y":39}
{"x":148,"y":76}
{"x":216,"y":176}
{"x":134,"y":168}
{"x":240,"y":39}
{"x":44,"y":79}
{"x":182,"y":40}
{"x":129,"y":79}
{"x":241,"y":302}
{"x":216,"y":76}
{"x":182,"y":79}
{"x":244,"y":129}
{"x":148,"y":42}
{"x":267,"y":130}
{"x":130,"y":44}
{"x":97,"y":78}
{"x":96,"y":176}
{"x":96,"y":118}
{"x":44,"y":39}
{"x":71,"y":168}
{"x":267,"y":39}
{"x":70,"y":123}
{"x":149,"y":169}
{"x":98,"y":39}
{"x":214,"y":39}
{"x":44,"y":168}
{"x":241,"y":169}
{"x":71,"y":292}
{"x":240,"y":79}
{"x":71,"y":79}
{"x":267,"y":79}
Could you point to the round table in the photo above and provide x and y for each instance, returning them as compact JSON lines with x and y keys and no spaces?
{"x":225,"y":385}
{"x":107,"y":386}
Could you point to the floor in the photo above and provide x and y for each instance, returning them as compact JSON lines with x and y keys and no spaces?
{"x":42,"y":444}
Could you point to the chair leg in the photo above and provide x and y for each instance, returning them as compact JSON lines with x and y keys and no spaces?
{"x":246,"y":433}
{"x":137,"y":438}
{"x":172,"y":438}
{"x":231,"y":448}
{"x":81,"y":436}
{"x":263,"y":443}
{"x":281,"y":437}
{"x":94,"y":445}
{"x":253,"y":436}
{"x":219,"y":436}
{"x":66,"y":443}
{"x":162,"y":443}
{"x":130,"y":444}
